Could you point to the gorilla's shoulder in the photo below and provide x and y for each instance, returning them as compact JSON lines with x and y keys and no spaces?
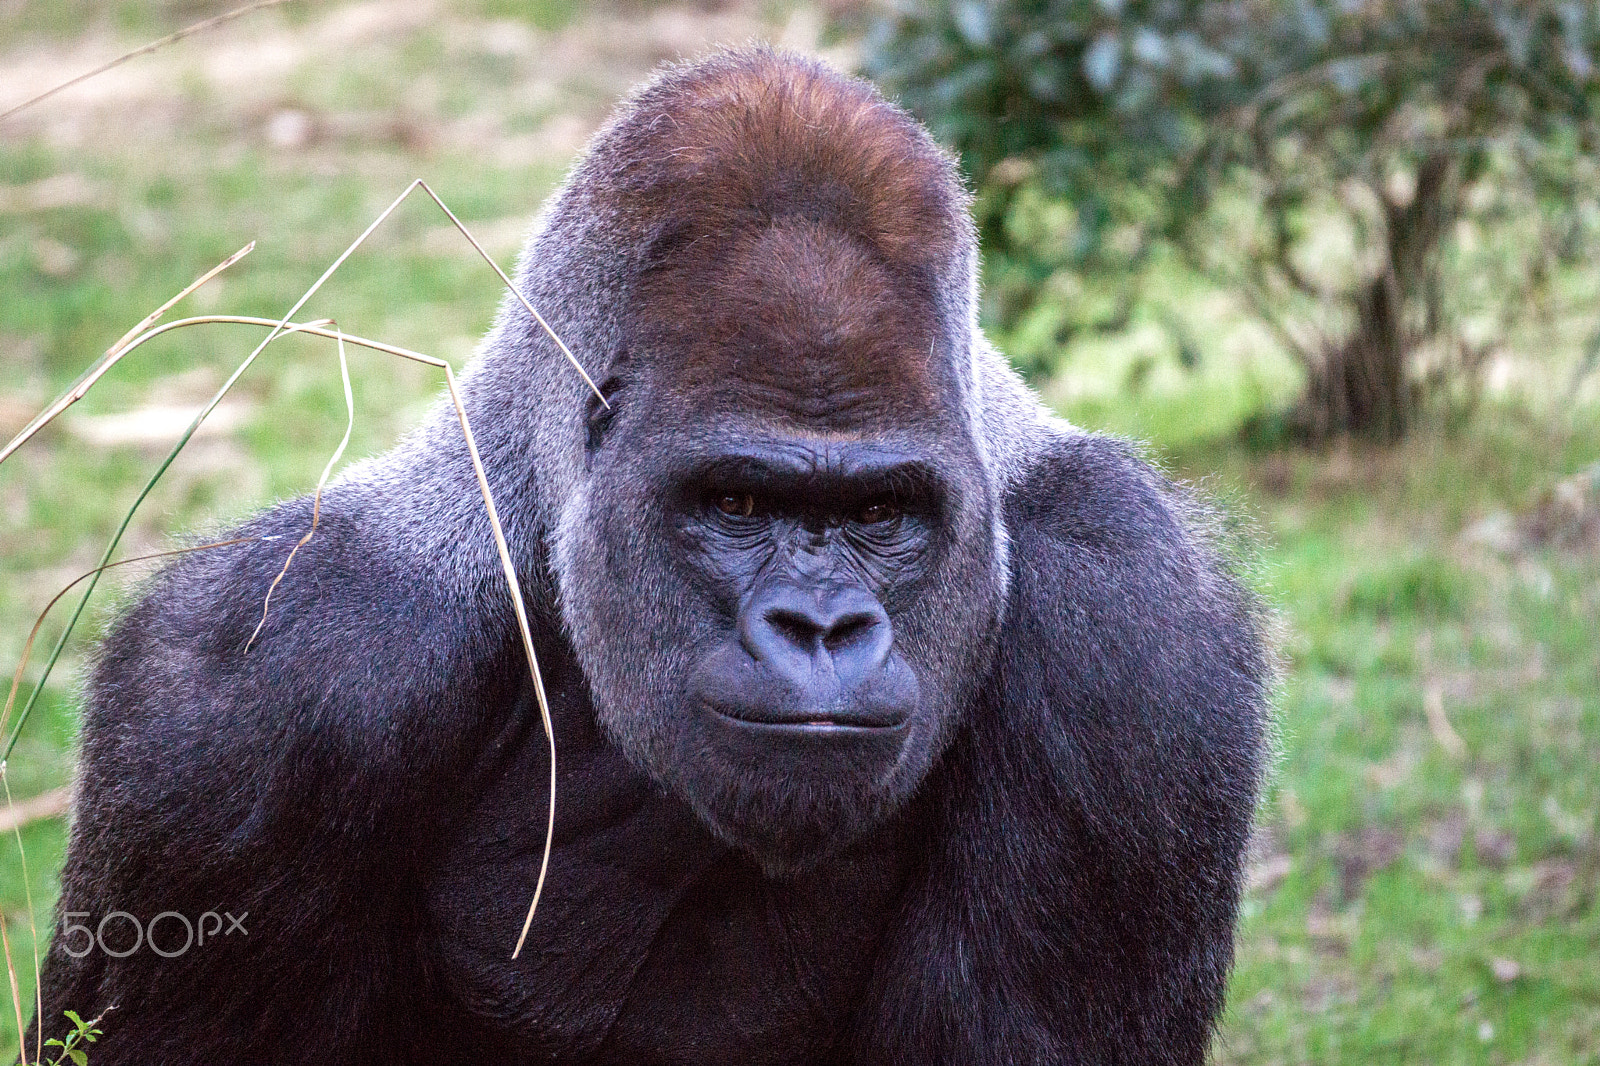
{"x":1097,"y":493}
{"x":1103,"y":787}
{"x":211,"y":594}
{"x":241,"y":678}
{"x":1125,"y":596}
{"x":350,"y":595}
{"x":1094,"y":496}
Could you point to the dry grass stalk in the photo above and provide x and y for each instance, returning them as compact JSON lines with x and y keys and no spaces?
{"x":16,"y":993}
{"x":316,"y":499}
{"x":86,"y":381}
{"x":146,"y":49}
{"x":537,"y":317}
{"x":1439,"y":724}
{"x":33,"y":930}
{"x":146,"y":331}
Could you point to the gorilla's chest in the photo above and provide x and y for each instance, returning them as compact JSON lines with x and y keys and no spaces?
{"x":654,"y":943}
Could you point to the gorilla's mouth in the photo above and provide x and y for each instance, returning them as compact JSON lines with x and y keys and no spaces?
{"x":778,"y":721}
{"x":854,"y":695}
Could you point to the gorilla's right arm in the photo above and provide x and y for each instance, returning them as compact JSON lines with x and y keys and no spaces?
{"x":1080,"y":890}
{"x":300,"y":785}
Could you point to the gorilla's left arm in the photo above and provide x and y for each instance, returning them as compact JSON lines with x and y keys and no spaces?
{"x":299,"y":779}
{"x":1082,"y":885}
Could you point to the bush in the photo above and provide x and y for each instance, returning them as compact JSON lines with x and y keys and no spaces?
{"x":1330,"y":162}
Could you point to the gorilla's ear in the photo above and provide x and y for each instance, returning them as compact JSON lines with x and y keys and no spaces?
{"x":598,"y":416}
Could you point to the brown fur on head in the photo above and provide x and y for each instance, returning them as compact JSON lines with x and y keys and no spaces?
{"x":797,"y":233}
{"x":794,"y":320}
{"x":758,"y":136}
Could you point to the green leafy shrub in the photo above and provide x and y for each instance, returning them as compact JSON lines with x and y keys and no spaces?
{"x":1329,"y":162}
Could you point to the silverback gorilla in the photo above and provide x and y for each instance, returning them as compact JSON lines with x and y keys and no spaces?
{"x":899,"y":723}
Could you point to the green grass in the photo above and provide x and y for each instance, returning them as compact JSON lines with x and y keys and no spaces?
{"x":1415,"y":873}
{"x":1417,"y":880}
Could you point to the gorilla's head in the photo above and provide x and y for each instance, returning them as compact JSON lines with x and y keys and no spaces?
{"x":778,"y":551}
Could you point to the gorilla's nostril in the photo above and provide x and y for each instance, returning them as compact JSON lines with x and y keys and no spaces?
{"x":807,"y":630}
{"x":849,"y":630}
{"x":795,"y":627}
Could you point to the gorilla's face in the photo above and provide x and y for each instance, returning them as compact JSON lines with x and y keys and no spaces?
{"x":781,"y":574}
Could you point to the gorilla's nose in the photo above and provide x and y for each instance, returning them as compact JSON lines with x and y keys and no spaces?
{"x":805,"y":635}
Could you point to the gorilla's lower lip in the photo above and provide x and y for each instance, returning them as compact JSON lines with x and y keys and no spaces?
{"x":813,"y":728}
{"x":813,"y":724}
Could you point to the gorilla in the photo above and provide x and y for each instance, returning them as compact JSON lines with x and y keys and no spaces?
{"x":898,"y":721}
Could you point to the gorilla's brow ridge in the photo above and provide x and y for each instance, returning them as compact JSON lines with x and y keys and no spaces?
{"x":828,"y":475}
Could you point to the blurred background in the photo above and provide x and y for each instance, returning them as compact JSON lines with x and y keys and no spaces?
{"x":1336,"y":261}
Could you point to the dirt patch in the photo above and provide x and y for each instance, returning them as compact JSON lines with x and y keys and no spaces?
{"x":1565,"y":516}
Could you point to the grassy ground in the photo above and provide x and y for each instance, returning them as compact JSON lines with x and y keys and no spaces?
{"x":1423,"y":898}
{"x":1425,"y":889}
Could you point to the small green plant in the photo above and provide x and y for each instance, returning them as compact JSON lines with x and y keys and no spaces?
{"x":1428,"y":587}
{"x":82,"y":1033}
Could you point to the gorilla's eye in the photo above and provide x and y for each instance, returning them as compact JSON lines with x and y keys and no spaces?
{"x":737,"y":505}
{"x":876,"y":513}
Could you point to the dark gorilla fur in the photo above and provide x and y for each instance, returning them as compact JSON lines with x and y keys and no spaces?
{"x":899,"y":722}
